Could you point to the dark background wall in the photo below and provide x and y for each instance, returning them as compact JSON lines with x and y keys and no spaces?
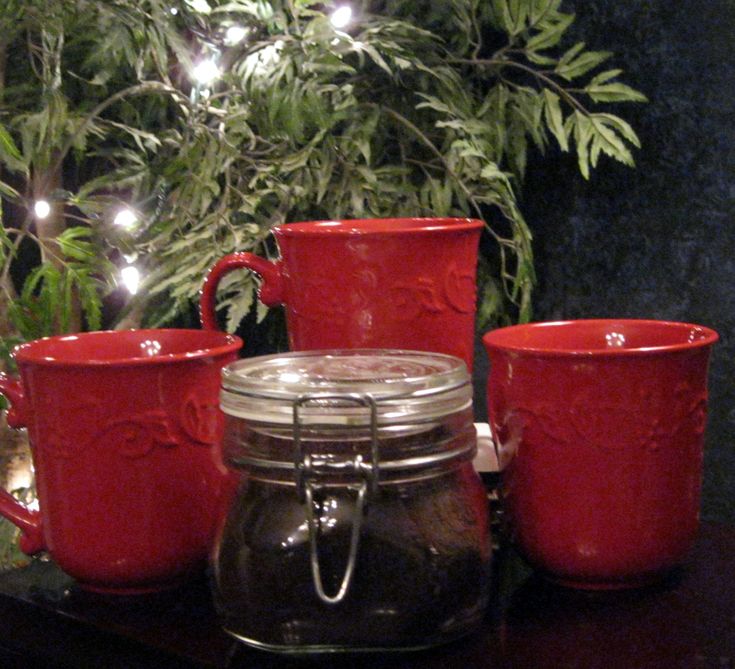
{"x":657,"y":241}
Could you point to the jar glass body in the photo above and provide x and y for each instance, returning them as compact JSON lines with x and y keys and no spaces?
{"x":421,"y":567}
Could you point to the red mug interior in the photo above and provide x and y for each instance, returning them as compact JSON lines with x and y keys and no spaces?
{"x":125,"y":347}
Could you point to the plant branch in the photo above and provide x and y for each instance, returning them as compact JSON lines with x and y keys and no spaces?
{"x":7,"y":289}
{"x":137,"y":89}
{"x":20,"y":234}
{"x":501,"y":62}
{"x":430,"y":145}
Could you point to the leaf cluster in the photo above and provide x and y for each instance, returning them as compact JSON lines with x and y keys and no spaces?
{"x":45,"y":303}
{"x":415,"y":109}
{"x":393,"y":118}
{"x":67,"y":73}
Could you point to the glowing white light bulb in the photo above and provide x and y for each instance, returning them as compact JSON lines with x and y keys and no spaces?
{"x":200,"y":6}
{"x":41,"y":209}
{"x":174,"y":11}
{"x":130,"y":278}
{"x":235,"y":35}
{"x":206,"y":71}
{"x":125,"y":218}
{"x":341,"y":16}
{"x":262,"y":60}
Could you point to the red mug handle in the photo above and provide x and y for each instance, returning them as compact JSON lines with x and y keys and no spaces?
{"x":270,"y":292}
{"x":29,"y":522}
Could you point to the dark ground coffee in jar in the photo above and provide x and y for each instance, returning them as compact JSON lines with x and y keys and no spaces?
{"x":360,"y":523}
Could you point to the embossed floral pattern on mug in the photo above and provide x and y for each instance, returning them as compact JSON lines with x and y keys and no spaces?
{"x":369,"y":283}
{"x":601,"y":424}
{"x":123,"y":427}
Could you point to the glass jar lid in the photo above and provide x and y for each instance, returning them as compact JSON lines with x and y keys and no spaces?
{"x":344,"y":387}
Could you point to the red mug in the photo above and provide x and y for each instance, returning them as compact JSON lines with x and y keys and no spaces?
{"x":125,"y":433}
{"x":601,"y":424}
{"x":404,"y":283}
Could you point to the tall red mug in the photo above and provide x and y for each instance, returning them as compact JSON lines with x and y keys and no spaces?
{"x":601,"y":424}
{"x":125,"y":433}
{"x":406,"y":283}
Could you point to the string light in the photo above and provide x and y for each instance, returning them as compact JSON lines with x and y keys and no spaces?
{"x":200,"y":6}
{"x":206,"y":71}
{"x":130,"y":278}
{"x":262,"y":60}
{"x":41,"y":209}
{"x":341,"y":16}
{"x":125,"y":218}
{"x":235,"y":35}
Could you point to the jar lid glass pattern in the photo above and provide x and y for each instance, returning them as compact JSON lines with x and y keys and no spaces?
{"x":405,"y":385}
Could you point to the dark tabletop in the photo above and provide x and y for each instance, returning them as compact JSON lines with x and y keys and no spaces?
{"x":687,"y":621}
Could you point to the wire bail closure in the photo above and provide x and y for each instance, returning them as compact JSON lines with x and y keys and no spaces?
{"x":307,"y":471}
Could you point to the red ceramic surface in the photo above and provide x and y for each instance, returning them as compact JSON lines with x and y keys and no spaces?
{"x":601,"y":423}
{"x":125,"y":432}
{"x":375,"y":283}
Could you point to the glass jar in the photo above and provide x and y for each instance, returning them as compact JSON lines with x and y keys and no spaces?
{"x":359,"y":523}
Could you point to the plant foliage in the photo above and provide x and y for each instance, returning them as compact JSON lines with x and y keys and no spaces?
{"x":417,"y":109}
{"x":68,"y":71}
{"x":414,"y":109}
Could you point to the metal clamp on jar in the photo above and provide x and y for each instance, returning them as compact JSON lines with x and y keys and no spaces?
{"x":359,"y":523}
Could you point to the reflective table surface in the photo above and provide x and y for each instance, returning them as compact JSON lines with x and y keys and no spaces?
{"x":686,"y":621}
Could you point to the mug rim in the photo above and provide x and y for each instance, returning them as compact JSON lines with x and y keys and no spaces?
{"x":501,"y":339}
{"x":377,"y":226}
{"x":36,"y":351}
